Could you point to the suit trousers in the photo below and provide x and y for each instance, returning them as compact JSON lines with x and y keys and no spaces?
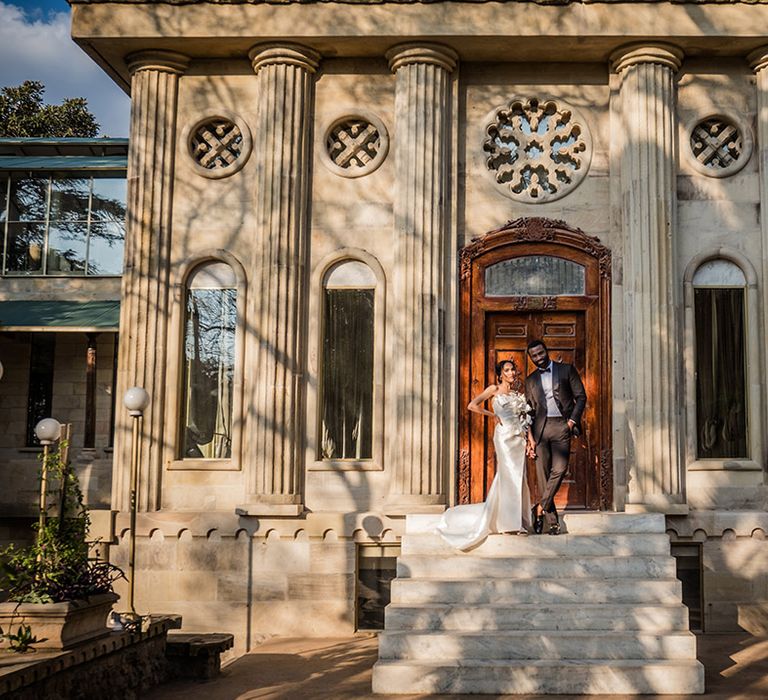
{"x":552,"y":452}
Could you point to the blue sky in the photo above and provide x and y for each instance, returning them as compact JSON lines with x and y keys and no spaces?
{"x":35,"y":44}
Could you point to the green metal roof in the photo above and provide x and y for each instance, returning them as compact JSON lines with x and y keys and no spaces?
{"x":117,"y":163}
{"x":63,"y":154}
{"x":54,"y":315}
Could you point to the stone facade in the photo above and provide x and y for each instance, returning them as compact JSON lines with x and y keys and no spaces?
{"x":265,"y":540}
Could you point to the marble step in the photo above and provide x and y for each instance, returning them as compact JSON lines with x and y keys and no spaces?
{"x":573,"y":523}
{"x":535,"y":616}
{"x":539,"y":590}
{"x":539,"y":645}
{"x":615,"y":545}
{"x":506,"y":677}
{"x":455,"y":567}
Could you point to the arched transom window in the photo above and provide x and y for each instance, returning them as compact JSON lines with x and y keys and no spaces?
{"x":535,"y":275}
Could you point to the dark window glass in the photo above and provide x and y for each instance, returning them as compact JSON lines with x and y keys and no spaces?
{"x":377,"y":567}
{"x":721,"y":402}
{"x":40,"y":395}
{"x":209,"y":366}
{"x":347,"y":378}
{"x":25,"y":247}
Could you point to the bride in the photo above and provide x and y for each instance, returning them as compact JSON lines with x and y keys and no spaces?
{"x":507,"y":507}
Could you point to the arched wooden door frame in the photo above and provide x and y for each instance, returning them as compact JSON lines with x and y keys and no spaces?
{"x":523,"y":237}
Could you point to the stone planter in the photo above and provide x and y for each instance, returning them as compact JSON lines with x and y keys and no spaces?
{"x":62,"y":625}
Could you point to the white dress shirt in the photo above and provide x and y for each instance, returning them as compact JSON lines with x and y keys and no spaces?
{"x":546,"y":384}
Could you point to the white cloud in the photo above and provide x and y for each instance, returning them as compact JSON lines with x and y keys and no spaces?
{"x":33,"y":48}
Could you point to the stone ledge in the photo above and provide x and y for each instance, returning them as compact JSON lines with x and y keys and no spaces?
{"x":49,"y":674}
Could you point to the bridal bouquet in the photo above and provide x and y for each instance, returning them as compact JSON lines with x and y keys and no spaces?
{"x":523,"y":409}
{"x":517,"y":403}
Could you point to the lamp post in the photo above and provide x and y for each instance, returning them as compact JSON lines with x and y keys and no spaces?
{"x":136,"y":399}
{"x":48,"y":431}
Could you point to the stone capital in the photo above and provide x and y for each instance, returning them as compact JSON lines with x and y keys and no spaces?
{"x":431,"y":54}
{"x":758,"y":59}
{"x":284,"y":54}
{"x":666,"y":55}
{"x":159,"y":60}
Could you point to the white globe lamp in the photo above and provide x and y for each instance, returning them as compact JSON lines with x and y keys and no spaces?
{"x":136,"y":400}
{"x":48,"y":431}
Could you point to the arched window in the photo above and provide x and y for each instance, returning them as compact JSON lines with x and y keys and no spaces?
{"x":347,"y":365}
{"x":210,"y":324}
{"x":721,"y":374}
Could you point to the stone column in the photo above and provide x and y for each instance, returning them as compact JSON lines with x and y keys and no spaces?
{"x":144,"y":311}
{"x":422,"y":108}
{"x":275,"y":386}
{"x":647,"y":96}
{"x":758,"y":60}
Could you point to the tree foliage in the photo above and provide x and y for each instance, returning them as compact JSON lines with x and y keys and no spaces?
{"x":23,"y":113}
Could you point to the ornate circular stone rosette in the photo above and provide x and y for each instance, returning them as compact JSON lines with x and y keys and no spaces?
{"x":218,"y":144}
{"x":718,"y":145}
{"x":537,"y":149}
{"x":355,"y":144}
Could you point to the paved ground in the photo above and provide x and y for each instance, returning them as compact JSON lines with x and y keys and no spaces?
{"x":295,"y":669}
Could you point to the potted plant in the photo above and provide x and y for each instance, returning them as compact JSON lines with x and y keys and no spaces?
{"x":57,"y":595}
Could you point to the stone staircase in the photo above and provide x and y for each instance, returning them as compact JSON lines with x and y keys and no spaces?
{"x":594,"y":611}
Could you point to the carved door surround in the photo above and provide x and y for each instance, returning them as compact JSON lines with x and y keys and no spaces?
{"x":524,"y":237}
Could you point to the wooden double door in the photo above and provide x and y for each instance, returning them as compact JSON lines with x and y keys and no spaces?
{"x":574,"y":324}
{"x":507,"y":337}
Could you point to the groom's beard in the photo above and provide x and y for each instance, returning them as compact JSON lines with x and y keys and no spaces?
{"x":542,"y":364}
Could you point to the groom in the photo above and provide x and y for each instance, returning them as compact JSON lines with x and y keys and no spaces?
{"x":557,"y":397}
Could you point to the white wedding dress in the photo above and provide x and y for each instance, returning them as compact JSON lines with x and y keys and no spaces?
{"x":507,"y":507}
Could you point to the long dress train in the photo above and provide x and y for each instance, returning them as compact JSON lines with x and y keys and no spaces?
{"x":508,"y":504}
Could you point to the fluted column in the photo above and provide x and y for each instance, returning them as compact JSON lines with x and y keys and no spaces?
{"x":276,"y":388}
{"x":758,"y":60}
{"x":647,"y":111}
{"x":144,"y":308}
{"x":422,"y":107}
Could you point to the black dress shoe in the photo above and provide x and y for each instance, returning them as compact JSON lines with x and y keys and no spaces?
{"x":554,"y":529}
{"x":538,"y":522}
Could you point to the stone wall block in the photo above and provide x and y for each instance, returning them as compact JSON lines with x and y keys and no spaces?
{"x":422,"y":109}
{"x":328,"y":558}
{"x":273,"y":586}
{"x":284,"y":556}
{"x":327,"y":587}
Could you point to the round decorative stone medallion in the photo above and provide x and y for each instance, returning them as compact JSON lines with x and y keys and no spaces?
{"x":719,"y":145}
{"x":219,"y":145}
{"x":355,"y":145}
{"x":538,"y":149}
